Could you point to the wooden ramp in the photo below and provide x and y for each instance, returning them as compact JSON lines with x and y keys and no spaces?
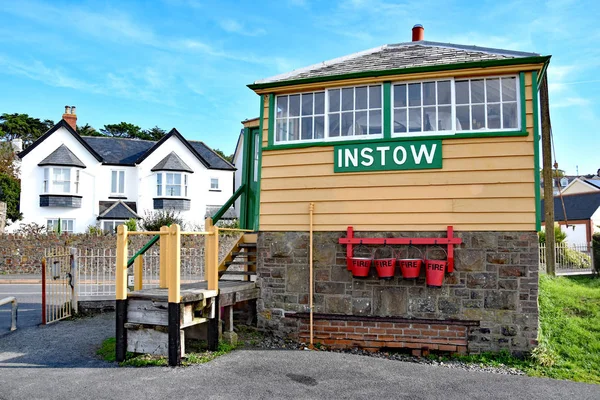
{"x":147,"y":320}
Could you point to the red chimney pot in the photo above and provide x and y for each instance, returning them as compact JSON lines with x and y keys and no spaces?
{"x":418,"y":33}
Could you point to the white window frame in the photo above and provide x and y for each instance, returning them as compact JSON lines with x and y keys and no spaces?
{"x":183,"y":185}
{"x":326,"y":136}
{"x":211,"y":184}
{"x":48,"y":182}
{"x":118,"y":173}
{"x":54,"y":221}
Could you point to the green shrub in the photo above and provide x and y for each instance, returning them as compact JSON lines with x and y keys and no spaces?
{"x":559,"y":235}
{"x":131,"y":225}
{"x":94,"y":230}
{"x":10,"y":191}
{"x":569,"y":256}
{"x":154,"y":220}
{"x":596,"y":251}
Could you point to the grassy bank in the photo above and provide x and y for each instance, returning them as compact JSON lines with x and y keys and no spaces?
{"x":569,"y":338}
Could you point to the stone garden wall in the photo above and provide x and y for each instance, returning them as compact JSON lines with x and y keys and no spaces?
{"x":489,"y":303}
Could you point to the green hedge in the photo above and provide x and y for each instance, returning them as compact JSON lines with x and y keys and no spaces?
{"x":596,"y":251}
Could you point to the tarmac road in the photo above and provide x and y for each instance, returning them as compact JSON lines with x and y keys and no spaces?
{"x":58,"y":361}
{"x":29,"y":299}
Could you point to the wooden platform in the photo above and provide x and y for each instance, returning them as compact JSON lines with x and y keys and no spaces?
{"x":231,"y":292}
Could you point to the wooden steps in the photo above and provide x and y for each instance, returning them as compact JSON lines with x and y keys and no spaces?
{"x":242,"y":259}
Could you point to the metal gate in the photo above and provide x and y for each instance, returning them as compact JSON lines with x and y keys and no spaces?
{"x":58,"y":284}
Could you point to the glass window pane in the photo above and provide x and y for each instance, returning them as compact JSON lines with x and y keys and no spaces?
{"x":463,"y":118}
{"x":159,"y":190}
{"x":281,"y":130}
{"x":282,"y":106}
{"x":399,"y":95}
{"x":294,"y":129}
{"x":113,"y":182}
{"x":334,"y":125}
{"x":478,"y":117}
{"x":493,"y":116}
{"x":320,"y":103}
{"x":509,"y":115}
{"x":400,"y":120}
{"x":169,"y":179}
{"x":361,"y":123}
{"x":66,"y":174}
{"x":294,"y":105}
{"x":444,"y":92}
{"x":414,"y":94}
{"x":462,"y":92}
{"x":375,"y":96}
{"x":361,"y":98}
{"x":375,"y":122}
{"x":429,"y":118}
{"x":334,"y":100}
{"x":444,"y":118}
{"x":319,"y":127}
{"x":177,"y":179}
{"x":477,"y":91}
{"x":67,"y":187}
{"x":159,"y":179}
{"x":492,"y":90}
{"x":347,"y":126}
{"x":121,"y":181}
{"x":307,"y":104}
{"x":509,"y":89}
{"x":429,"y":93}
{"x":307,"y":128}
{"x":414,"y":120}
{"x":347,"y":99}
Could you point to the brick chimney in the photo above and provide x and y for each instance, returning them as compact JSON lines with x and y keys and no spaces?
{"x":418,"y":33}
{"x":70,"y":117}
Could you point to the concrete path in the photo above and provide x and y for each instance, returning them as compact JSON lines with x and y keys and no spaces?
{"x":58,"y":361}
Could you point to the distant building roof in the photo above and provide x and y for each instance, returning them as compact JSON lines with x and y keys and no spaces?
{"x":120,"y":151}
{"x":118,"y":210}
{"x":580,"y":206}
{"x":593,"y":182}
{"x":62,"y":156}
{"x":398,"y":56}
{"x":172,"y":162}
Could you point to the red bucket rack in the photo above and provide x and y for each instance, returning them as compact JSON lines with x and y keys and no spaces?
{"x":449,"y":241}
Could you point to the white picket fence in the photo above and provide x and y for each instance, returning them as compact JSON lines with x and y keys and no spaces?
{"x":96,"y":270}
{"x":571,"y":259}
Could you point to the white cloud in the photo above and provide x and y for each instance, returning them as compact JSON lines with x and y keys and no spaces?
{"x":564,"y":102}
{"x":234,"y":26}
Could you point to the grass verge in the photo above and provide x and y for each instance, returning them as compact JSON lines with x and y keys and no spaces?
{"x":569,"y":336}
{"x":197,"y":355}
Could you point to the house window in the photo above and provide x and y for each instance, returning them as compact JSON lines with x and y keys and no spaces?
{"x":214,"y":183}
{"x":300,"y":117}
{"x":60,"y":180}
{"x":355,"y":111}
{"x":422,"y":107}
{"x":117,"y":182}
{"x":171,"y":184}
{"x":487,"y":103}
{"x":109,"y":226}
{"x":66,"y":225}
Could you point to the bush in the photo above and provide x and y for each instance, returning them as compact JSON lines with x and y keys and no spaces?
{"x":31,"y":229}
{"x":559,"y":235}
{"x":131,"y":225}
{"x":569,"y":256}
{"x":154,"y":220}
{"x":10,"y":190}
{"x":596,"y":251}
{"x":94,"y":230}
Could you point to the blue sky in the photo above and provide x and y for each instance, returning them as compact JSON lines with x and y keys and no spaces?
{"x":186,"y":63}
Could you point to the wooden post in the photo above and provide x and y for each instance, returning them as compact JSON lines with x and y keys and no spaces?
{"x":211,"y":255}
{"x":163,"y":256}
{"x":138,"y":269}
{"x":121,"y":293}
{"x":547,"y":168}
{"x":174,"y":264}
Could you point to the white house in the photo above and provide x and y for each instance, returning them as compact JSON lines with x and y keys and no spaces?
{"x":104,"y":181}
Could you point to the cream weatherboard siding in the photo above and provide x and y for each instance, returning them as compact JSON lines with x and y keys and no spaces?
{"x":486,"y":184}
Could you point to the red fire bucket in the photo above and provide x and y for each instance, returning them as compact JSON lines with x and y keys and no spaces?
{"x":385,"y":266}
{"x":434,"y":271}
{"x":361,"y":266}
{"x":411,"y":267}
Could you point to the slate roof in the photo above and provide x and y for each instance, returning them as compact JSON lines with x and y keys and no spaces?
{"x":119,"y":151}
{"x":215,"y":160}
{"x":211,"y":210}
{"x":172,"y":162}
{"x":579,"y":206}
{"x":64,"y":157}
{"x":399,"y":56}
{"x":118,"y":210}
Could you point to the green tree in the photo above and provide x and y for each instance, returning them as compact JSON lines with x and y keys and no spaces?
{"x":23,"y":126}
{"x":10,"y":190}
{"x":87,"y":130}
{"x":220,"y":152}
{"x":125,"y":130}
{"x":155,"y":133}
{"x":8,"y":159}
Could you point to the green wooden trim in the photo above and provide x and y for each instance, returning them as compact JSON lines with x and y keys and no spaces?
{"x":466,"y":135}
{"x":536,"y":152}
{"x":403,"y":71}
{"x":217,"y":216}
{"x":257,"y":197}
{"x":387,"y":110}
{"x":245,"y":167}
{"x":523,"y":101}
{"x":271,"y":120}
{"x":144,"y":249}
